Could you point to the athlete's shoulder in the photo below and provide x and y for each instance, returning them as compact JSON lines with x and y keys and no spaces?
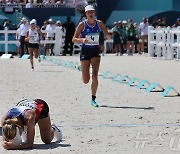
{"x":99,"y":21}
{"x":81,"y":25}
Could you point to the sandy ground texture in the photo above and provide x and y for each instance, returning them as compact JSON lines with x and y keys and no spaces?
{"x":129,"y":120}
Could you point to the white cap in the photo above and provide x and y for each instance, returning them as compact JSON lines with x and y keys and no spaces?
{"x":58,"y":22}
{"x":33,"y":21}
{"x":124,"y":22}
{"x":24,"y":19}
{"x":50,"y":20}
{"x":89,"y":8}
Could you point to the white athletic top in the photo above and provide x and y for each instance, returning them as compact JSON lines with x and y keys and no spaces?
{"x":33,"y":36}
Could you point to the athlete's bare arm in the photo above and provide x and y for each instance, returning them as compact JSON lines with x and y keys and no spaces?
{"x":30,"y":123}
{"x":77,"y":33}
{"x":104,"y":29}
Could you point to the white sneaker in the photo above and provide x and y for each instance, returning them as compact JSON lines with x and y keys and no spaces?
{"x":57,"y":133}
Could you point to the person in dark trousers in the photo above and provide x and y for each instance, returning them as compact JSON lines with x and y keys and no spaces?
{"x":70,"y":29}
{"x":24,"y":27}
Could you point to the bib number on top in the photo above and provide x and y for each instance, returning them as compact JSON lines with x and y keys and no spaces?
{"x":93,"y":39}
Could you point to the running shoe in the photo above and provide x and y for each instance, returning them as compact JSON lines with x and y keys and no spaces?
{"x":57,"y":133}
{"x":93,"y":103}
{"x":39,"y":59}
{"x":32,"y":69}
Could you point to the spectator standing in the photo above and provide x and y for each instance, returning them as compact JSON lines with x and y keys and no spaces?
{"x":124,"y":35}
{"x":101,"y":42}
{"x":58,"y":25}
{"x":130,"y":37}
{"x":155,"y":22}
{"x":6,"y":23}
{"x":116,"y":38}
{"x":29,"y":4}
{"x":80,"y":3}
{"x":70,"y":29}
{"x":177,"y":23}
{"x":50,"y":36}
{"x":23,"y":30}
{"x":18,"y":43}
{"x":137,"y":37}
{"x":144,"y":32}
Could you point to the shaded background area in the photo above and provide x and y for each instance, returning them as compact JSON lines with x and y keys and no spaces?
{"x":110,"y":11}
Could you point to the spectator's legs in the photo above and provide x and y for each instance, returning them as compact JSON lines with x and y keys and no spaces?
{"x":22,"y":41}
{"x":128,"y":47}
{"x":66,"y":46}
{"x":71,"y":46}
{"x":131,"y":46}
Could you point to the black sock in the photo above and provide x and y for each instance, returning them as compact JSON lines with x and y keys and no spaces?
{"x":93,"y":98}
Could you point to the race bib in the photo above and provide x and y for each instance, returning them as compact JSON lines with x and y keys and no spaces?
{"x":93,"y":39}
{"x":33,"y":39}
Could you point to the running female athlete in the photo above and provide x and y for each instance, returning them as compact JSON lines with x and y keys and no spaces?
{"x":33,"y":38}
{"x":18,"y":125}
{"x":90,"y":53}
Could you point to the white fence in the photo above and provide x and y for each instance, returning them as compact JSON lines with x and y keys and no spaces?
{"x":164,"y":42}
{"x":57,"y":42}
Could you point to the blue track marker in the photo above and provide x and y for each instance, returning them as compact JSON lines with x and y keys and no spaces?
{"x":42,"y":56}
{"x":132,"y":81}
{"x":151,"y":87}
{"x":69,"y":63}
{"x":105,"y":74}
{"x":141,"y":84}
{"x":115,"y":77}
{"x":166,"y":91}
{"x":123,"y":78}
{"x":25,"y":56}
{"x":79,"y":68}
{"x":74,"y":65}
{"x":66,"y":64}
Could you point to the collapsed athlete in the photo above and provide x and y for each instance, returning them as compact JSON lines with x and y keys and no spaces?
{"x":18,"y":125}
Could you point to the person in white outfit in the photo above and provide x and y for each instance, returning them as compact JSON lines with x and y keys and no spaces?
{"x":23,"y":30}
{"x":144,"y":33}
{"x":33,"y":38}
{"x":29,"y":4}
{"x":50,"y":36}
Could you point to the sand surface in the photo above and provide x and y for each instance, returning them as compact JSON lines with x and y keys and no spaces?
{"x":130,"y":120}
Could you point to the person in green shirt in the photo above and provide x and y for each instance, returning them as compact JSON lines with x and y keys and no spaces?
{"x":130,"y":31}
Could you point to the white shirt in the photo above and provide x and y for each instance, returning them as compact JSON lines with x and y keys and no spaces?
{"x":49,"y":29}
{"x":23,"y":29}
{"x":80,"y":3}
{"x":45,"y":1}
{"x":144,"y":28}
{"x":18,"y":34}
{"x":29,"y":5}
